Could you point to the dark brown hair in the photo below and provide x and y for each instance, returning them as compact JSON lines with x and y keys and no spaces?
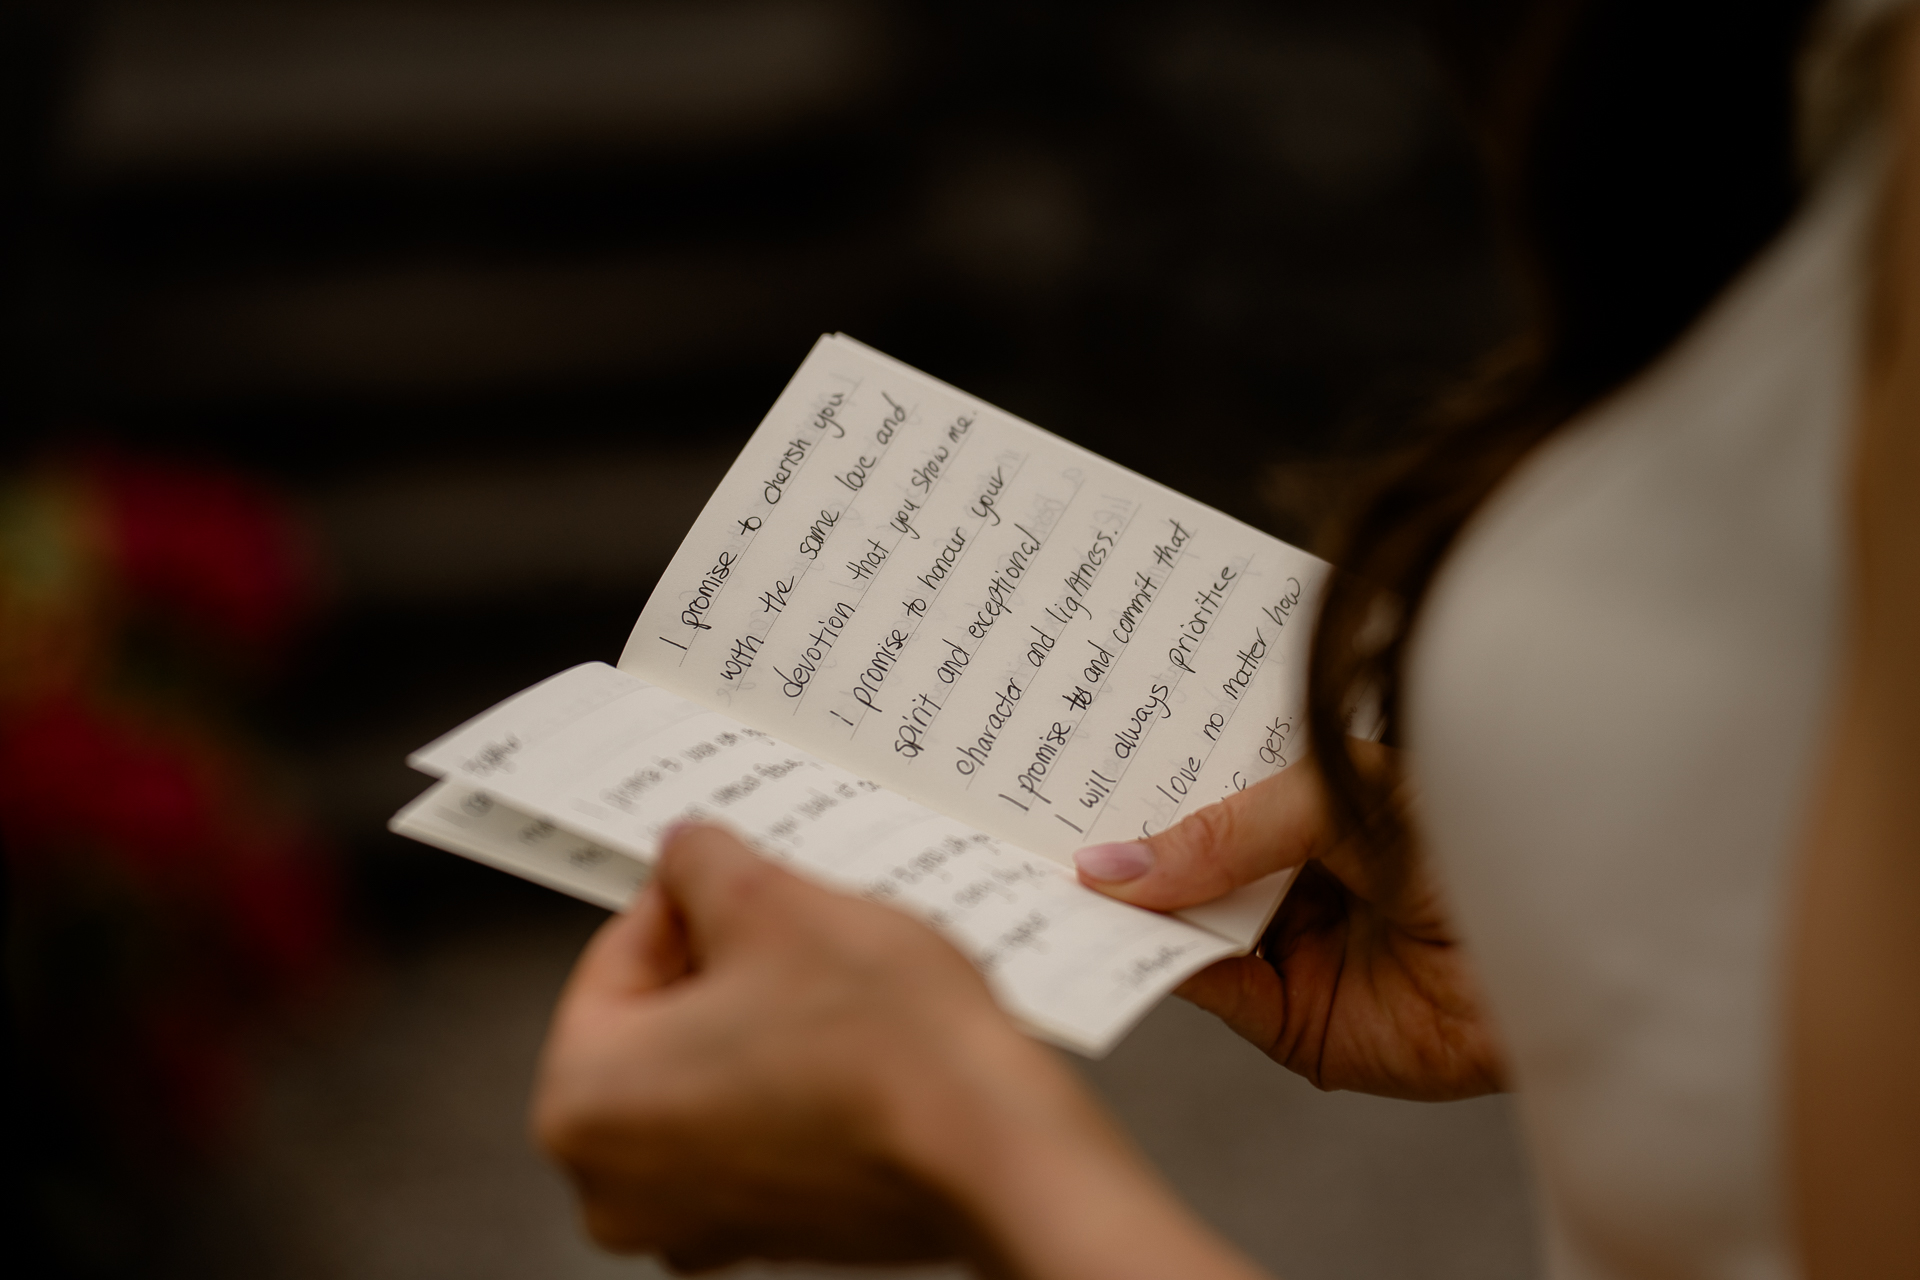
{"x":1639,"y":152}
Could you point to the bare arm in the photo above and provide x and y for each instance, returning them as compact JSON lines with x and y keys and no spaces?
{"x":1856,"y":1029}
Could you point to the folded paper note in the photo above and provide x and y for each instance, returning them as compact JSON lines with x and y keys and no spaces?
{"x":920,"y":650}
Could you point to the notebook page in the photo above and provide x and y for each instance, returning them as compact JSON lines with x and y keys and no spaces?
{"x":992,"y":621}
{"x":628,"y":759}
{"x":474,"y":825}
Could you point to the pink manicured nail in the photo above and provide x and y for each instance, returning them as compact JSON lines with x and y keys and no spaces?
{"x":1112,"y":863}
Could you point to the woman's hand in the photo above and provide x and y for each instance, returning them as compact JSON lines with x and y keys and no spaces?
{"x":1359,"y":983}
{"x":747,"y":1065}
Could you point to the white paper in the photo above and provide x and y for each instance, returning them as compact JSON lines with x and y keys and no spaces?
{"x":612,"y":761}
{"x":983,"y":617}
{"x":475,"y":825}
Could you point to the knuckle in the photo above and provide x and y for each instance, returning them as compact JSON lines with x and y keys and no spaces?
{"x":746,"y":885}
{"x":747,"y":879}
{"x":1220,"y":824}
{"x":854,"y":944}
{"x":1201,"y":843}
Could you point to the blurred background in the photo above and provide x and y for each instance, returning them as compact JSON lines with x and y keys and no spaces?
{"x":364,"y":362}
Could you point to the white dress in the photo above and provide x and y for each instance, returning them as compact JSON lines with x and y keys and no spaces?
{"x":1617,"y":696}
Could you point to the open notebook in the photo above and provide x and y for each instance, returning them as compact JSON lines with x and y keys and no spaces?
{"x":920,"y":650}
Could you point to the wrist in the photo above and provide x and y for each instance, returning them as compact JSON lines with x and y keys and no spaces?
{"x":991,"y":1097}
{"x":1044,"y":1181}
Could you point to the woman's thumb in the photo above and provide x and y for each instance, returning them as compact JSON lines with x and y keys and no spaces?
{"x":1277,"y":823}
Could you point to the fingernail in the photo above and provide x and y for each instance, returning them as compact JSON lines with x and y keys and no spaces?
{"x":1112,"y":863}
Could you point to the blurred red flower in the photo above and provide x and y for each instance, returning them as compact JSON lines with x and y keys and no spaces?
{"x":165,"y":910}
{"x":70,"y":775}
{"x":207,"y":547}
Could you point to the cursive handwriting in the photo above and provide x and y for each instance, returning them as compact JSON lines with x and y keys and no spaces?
{"x":1002,"y":585}
{"x":974,"y":754}
{"x":824,"y":418}
{"x":807,"y":665}
{"x":867,"y":684}
{"x":1250,"y":659}
{"x":1144,"y":589}
{"x":1126,"y":741}
{"x":1279,"y":612}
{"x":494,"y":757}
{"x":785,"y":469}
{"x":944,"y":561}
{"x":1194,"y":629}
{"x":815,"y":537}
{"x":909,"y":739}
{"x":983,"y":505}
{"x":703,"y":594}
{"x":736,"y":663}
{"x":1051,"y":744}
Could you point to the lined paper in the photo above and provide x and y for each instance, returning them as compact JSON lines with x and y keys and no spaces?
{"x":581,"y":774}
{"x":985,"y":618}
